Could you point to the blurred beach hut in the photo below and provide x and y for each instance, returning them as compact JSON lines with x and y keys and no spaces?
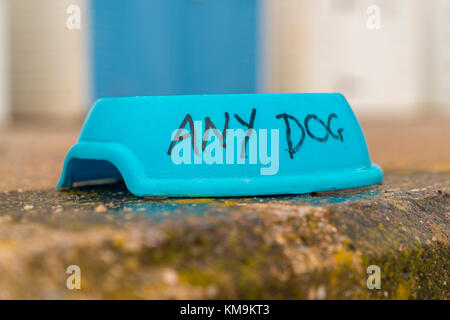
{"x":397,"y":68}
{"x":48,"y":71}
{"x":160,"y":47}
{"x":128,"y":48}
{"x":4,"y":63}
{"x":442,"y":51}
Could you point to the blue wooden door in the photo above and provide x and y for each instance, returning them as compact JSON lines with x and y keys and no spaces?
{"x":159,"y":47}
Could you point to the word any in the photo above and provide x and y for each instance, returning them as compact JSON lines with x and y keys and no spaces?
{"x":211,"y":150}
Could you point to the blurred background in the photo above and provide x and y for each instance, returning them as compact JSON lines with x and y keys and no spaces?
{"x":390,"y":58}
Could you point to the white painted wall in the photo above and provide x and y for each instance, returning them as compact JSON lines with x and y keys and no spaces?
{"x":49,"y":65}
{"x":326,"y":46}
{"x":442,"y":50}
{"x":4,"y":63}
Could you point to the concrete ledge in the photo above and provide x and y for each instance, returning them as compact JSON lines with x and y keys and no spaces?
{"x":304,"y":247}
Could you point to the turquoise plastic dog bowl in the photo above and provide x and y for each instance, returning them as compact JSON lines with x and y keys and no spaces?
{"x":222,"y":145}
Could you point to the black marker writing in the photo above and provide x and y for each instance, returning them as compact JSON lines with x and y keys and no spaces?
{"x":286,"y":118}
{"x":222,"y":136}
{"x":179,"y":138}
{"x":249,"y":125}
{"x":292,"y":150}
{"x":339,"y":135}
{"x":313,"y":116}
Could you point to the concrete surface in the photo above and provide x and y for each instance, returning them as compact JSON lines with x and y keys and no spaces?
{"x":314,"y":246}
